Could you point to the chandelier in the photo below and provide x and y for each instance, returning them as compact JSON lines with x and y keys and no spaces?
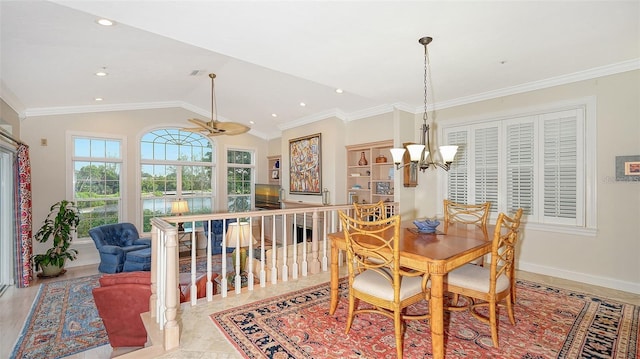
{"x":420,"y":155}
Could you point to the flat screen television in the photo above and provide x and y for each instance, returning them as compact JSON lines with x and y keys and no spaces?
{"x":267,"y":196}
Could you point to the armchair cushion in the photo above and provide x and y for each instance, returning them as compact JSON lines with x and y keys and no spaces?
{"x":217,"y":226}
{"x":113,"y":242}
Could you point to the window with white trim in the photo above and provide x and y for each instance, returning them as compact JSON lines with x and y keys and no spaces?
{"x":535,"y":162}
{"x":97,"y":180}
{"x":175,"y":164}
{"x":240,"y":180}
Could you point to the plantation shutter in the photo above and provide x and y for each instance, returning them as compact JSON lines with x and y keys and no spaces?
{"x":537,"y":162}
{"x":486,"y":166}
{"x":457,"y":183}
{"x":560,"y":155}
{"x":520,"y":166}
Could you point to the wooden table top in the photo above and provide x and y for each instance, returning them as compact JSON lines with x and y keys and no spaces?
{"x":435,"y":247}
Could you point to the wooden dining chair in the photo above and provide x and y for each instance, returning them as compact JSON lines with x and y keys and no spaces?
{"x":489,"y":286}
{"x":477,"y":214}
{"x":466,"y":214}
{"x":370,"y":211}
{"x":375,"y":275}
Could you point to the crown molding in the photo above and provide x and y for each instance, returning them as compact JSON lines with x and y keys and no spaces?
{"x":314,"y":118}
{"x":66,"y":110}
{"x":607,"y":70}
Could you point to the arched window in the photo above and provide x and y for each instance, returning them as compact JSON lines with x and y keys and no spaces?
{"x":175,"y":165}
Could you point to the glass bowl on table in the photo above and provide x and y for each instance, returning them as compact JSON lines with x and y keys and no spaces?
{"x":427,"y":225}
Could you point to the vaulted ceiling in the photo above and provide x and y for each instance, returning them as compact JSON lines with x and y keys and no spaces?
{"x":270,"y":56}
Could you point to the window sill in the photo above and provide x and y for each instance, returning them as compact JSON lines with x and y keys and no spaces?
{"x":564,"y":229}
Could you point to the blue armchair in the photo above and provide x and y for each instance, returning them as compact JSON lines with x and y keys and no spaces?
{"x":216,"y":234}
{"x":113,"y":242}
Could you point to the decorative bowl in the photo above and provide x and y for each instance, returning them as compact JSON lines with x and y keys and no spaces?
{"x":427,"y":226}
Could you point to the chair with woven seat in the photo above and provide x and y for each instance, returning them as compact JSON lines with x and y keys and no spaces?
{"x":370,"y":211}
{"x":494,"y":284}
{"x":375,"y":275}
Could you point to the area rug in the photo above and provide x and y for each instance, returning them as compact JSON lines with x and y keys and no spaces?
{"x":64,"y":319}
{"x":201,"y":264}
{"x":550,"y":323}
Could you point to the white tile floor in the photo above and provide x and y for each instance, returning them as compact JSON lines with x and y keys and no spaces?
{"x":200,"y":337}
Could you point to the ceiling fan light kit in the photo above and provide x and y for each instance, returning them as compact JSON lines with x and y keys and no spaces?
{"x":215,"y":127}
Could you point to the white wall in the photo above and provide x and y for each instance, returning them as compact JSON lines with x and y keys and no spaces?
{"x":9,"y":119}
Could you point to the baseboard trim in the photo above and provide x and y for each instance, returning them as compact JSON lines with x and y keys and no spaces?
{"x":606,"y":282}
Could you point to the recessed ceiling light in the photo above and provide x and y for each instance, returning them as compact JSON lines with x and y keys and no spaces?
{"x":102,"y":72}
{"x":105,"y":22}
{"x":98,"y":99}
{"x":251,"y":122}
{"x":302,"y":104}
{"x":339,"y":91}
{"x":274,"y":115}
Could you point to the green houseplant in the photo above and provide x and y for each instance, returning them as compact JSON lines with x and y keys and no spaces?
{"x":61,"y":222}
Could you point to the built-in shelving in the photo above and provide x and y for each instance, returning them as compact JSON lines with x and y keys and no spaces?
{"x":275,"y":173}
{"x":373,"y":181}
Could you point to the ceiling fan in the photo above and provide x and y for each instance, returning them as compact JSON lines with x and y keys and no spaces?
{"x":215,"y":127}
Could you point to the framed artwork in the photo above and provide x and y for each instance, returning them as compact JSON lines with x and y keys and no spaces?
{"x":305,"y":165}
{"x":627,"y":168}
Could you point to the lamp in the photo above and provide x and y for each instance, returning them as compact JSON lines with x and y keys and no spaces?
{"x":421,"y":154}
{"x":239,"y":236}
{"x":179,"y":207}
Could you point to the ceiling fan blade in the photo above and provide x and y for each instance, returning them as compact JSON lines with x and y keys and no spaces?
{"x":210,"y":126}
{"x":214,"y":127}
{"x":231,"y":128}
{"x":203,"y":124}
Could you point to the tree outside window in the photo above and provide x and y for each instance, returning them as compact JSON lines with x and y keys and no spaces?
{"x":97,"y":181}
{"x":175,"y":165}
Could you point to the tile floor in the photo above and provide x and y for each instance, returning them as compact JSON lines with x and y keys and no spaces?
{"x":200,"y":338}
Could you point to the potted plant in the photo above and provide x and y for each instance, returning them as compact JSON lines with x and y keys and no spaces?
{"x":61,"y":222}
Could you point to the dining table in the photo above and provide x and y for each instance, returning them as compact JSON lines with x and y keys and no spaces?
{"x":433,"y":253}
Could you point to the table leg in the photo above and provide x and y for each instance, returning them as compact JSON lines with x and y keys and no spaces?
{"x":437,"y":315}
{"x":334,"y":279}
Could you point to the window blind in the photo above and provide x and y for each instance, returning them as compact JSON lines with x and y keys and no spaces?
{"x":535,"y":162}
{"x":458,"y":187}
{"x":486,"y":166}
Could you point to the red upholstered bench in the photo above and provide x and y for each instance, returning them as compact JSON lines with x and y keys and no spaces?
{"x":120,"y":300}
{"x":122,"y":297}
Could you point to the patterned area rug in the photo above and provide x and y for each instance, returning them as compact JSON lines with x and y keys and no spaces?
{"x":201,"y":264}
{"x":64,"y":319}
{"x":550,"y":323}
